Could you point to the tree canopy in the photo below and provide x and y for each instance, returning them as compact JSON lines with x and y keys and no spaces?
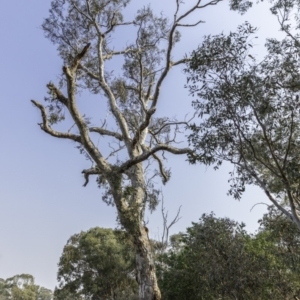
{"x":249,"y":110}
{"x":97,"y":264}
{"x":22,"y":287}
{"x":217,"y":259}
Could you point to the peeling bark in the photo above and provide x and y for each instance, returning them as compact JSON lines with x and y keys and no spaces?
{"x":146,"y":276}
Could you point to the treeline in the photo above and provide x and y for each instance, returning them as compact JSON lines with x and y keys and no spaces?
{"x":23,"y":287}
{"x":216,"y":258}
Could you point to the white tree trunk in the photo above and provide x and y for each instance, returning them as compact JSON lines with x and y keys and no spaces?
{"x":146,"y":276}
{"x":131,"y":217}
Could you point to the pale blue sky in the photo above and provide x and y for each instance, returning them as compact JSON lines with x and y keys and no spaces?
{"x":42,"y":201}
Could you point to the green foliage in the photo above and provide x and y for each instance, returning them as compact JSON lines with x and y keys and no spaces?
{"x":240,"y":5}
{"x":22,"y":287}
{"x":249,"y":112}
{"x":44,"y":294}
{"x":218,"y":259}
{"x":97,"y":264}
{"x":215,"y":259}
{"x":282,"y":232}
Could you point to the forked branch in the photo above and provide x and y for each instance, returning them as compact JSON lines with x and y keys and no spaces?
{"x":166,"y":226}
{"x":47,"y":128}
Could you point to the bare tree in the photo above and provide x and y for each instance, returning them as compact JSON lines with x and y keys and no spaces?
{"x":83,"y":31}
{"x":167,"y":226}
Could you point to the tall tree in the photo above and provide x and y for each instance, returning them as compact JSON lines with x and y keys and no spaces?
{"x":83,"y":31}
{"x":250,"y":111}
{"x":97,"y":264}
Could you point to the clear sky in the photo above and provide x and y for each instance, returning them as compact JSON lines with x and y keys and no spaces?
{"x":42,"y":201}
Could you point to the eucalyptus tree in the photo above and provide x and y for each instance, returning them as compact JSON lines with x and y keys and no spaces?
{"x":249,"y":111}
{"x":84,"y":31}
{"x":97,"y":264}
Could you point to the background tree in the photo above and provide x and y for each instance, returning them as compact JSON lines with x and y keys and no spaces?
{"x":278,"y":229}
{"x":84,"y":30}
{"x":217,"y":259}
{"x":97,"y":264}
{"x":44,"y":294}
{"x":22,"y":287}
{"x":60,"y":294}
{"x":249,"y":111}
{"x":3,"y":291}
